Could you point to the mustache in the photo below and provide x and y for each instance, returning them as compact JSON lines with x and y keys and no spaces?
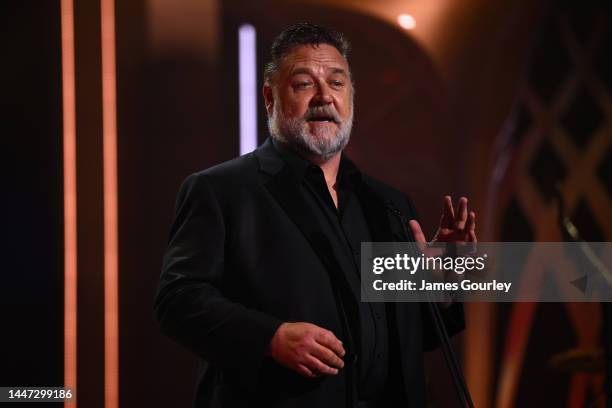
{"x":318,"y":112}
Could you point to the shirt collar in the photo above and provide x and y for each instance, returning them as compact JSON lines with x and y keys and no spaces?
{"x":349,"y":176}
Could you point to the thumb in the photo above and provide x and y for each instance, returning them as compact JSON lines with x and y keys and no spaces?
{"x":417,"y":232}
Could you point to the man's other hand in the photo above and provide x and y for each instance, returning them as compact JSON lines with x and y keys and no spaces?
{"x":308,"y":349}
{"x":457,"y":224}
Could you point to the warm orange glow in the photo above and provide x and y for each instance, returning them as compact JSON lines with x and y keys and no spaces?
{"x":478,"y":350}
{"x":109,"y":141}
{"x":519,"y":328}
{"x":70,"y":206}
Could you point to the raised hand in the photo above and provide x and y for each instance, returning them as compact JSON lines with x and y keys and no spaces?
{"x":455,"y":226}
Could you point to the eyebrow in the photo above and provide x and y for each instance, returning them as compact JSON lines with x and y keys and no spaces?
{"x":307,"y":71}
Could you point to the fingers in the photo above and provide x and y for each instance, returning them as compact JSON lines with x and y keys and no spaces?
{"x":471,"y":227}
{"x":448,"y":214}
{"x":417,"y":232}
{"x":305,"y":371}
{"x":462,"y":213}
{"x":308,"y":349}
{"x":327,"y":357}
{"x":327,"y":339}
{"x":471,"y":222}
{"x":316,"y":366}
{"x":325,"y":354}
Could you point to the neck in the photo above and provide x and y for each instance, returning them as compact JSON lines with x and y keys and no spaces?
{"x":330,"y":172}
{"x":330,"y":168}
{"x":329,"y":165}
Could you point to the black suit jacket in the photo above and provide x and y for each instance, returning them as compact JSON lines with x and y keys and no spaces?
{"x":244,"y":256}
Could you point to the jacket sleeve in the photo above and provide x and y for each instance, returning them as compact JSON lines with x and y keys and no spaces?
{"x":190,"y":306}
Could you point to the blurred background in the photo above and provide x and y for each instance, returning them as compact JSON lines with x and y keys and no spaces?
{"x":107,"y":106}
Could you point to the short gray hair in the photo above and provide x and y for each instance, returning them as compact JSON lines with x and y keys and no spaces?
{"x":302,"y":34}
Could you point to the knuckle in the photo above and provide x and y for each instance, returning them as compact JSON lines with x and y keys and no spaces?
{"x":305,"y":372}
{"x":321,"y":367}
{"x":297,"y":357}
{"x":308,"y":343}
{"x":301,"y":350}
{"x":311,"y":332}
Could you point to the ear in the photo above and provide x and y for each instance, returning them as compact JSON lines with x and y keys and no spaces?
{"x":268,"y":98}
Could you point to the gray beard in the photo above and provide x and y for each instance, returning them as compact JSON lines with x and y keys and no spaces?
{"x":294,"y":133}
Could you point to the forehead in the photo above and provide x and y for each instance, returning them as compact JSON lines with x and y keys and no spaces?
{"x":321,"y":57}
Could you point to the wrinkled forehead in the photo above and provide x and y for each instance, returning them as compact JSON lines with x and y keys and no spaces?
{"x":318,"y":58}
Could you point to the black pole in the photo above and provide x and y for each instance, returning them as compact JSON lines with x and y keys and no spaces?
{"x":461,"y":388}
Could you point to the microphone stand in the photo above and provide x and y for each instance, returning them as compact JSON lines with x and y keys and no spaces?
{"x":463,"y":392}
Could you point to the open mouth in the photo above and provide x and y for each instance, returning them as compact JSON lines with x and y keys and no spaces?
{"x":322,"y":119}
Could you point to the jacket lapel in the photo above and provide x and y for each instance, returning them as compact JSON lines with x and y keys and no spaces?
{"x":376,"y":214}
{"x":284,"y":187}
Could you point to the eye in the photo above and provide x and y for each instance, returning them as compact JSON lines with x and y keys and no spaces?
{"x":336,"y":83}
{"x":302,"y":84}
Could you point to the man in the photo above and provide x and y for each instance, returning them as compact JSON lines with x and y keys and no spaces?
{"x":261,"y":278}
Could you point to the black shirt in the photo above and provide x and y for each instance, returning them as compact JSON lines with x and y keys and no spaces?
{"x":346,"y":228}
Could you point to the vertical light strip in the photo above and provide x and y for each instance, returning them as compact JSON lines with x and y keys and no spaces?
{"x":70,"y":206}
{"x":248,"y":88}
{"x":109,"y":159}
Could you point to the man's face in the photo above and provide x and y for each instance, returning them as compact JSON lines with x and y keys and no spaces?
{"x":310,"y":103}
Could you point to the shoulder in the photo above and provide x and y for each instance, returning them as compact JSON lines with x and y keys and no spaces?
{"x":382,"y":189}
{"x":222,"y":179}
{"x":238,"y":167}
{"x":231,"y":172}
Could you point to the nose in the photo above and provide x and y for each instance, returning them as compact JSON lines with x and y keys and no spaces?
{"x":323,"y":96}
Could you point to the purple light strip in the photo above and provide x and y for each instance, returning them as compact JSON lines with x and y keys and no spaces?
{"x":248,"y":88}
